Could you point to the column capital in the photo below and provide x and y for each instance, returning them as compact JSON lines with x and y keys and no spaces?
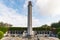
{"x":29,"y":3}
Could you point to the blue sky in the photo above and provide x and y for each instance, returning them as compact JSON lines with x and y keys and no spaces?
{"x":15,"y":12}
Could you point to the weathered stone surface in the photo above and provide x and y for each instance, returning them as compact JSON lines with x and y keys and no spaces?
{"x":29,"y":18}
{"x":11,"y":38}
{"x":20,"y":38}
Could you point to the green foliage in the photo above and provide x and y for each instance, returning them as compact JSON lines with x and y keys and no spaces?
{"x":5,"y":25}
{"x":45,"y":26}
{"x":3,"y":29}
{"x":41,"y":29}
{"x":18,"y":28}
{"x":56,"y":25}
{"x":57,"y":30}
{"x":1,"y":34}
{"x":59,"y":34}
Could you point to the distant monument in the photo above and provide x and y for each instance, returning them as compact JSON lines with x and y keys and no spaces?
{"x":29,"y":18}
{"x":29,"y":32}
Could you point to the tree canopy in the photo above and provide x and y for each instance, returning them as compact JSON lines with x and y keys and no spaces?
{"x":55,"y":25}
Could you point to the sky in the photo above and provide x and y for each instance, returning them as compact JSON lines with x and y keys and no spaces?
{"x":43,"y":12}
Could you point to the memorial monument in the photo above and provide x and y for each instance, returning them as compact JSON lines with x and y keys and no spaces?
{"x":29,"y":33}
{"x":29,"y":18}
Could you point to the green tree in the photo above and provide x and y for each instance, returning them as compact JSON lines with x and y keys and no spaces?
{"x":55,"y":25}
{"x":46,"y":27}
{"x":4,"y":29}
{"x":59,"y":34}
{"x":5,"y":24}
{"x":1,"y":34}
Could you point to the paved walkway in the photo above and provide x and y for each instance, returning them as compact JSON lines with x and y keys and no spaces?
{"x":11,"y":38}
{"x":41,"y":38}
{"x":48,"y":38}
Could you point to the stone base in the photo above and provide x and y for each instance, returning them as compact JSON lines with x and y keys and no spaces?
{"x":28,"y":37}
{"x":31,"y":37}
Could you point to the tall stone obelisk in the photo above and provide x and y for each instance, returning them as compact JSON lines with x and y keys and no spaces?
{"x":29,"y":18}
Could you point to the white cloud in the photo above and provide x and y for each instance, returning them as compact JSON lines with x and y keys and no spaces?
{"x":9,"y":15}
{"x":46,"y":7}
{"x":49,"y":7}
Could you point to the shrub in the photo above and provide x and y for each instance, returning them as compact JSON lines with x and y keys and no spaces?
{"x":59,"y":34}
{"x":3,"y":29}
{"x":1,"y":34}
